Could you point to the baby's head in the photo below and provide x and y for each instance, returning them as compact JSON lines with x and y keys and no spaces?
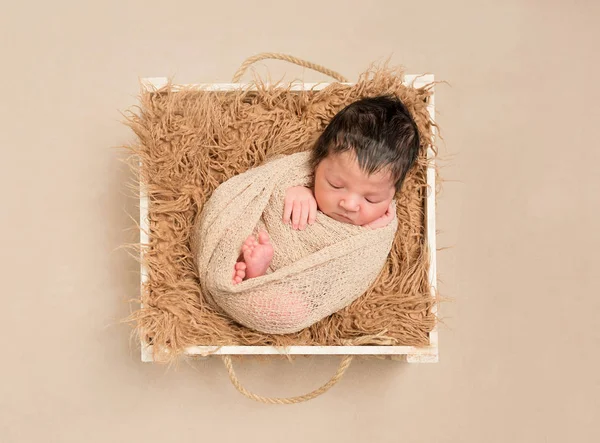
{"x":362,"y":157}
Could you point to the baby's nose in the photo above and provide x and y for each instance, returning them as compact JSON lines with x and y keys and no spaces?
{"x":349,"y":204}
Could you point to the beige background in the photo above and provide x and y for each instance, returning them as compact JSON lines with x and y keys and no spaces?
{"x":519,"y":344}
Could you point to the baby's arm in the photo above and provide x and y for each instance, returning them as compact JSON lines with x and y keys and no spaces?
{"x":300,"y":207}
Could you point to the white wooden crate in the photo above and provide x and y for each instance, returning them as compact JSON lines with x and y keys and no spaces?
{"x":411,"y":354}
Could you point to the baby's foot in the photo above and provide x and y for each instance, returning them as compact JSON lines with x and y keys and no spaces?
{"x":257,"y":256}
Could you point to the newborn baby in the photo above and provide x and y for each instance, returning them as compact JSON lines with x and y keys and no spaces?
{"x":359,"y":162}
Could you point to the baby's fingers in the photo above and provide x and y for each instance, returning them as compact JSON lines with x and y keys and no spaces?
{"x":296,"y":210}
{"x":312,"y":214}
{"x":303,"y":216}
{"x":391,"y":212}
{"x":287,"y":211}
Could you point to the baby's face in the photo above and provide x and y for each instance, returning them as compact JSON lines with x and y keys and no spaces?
{"x":347,"y":194}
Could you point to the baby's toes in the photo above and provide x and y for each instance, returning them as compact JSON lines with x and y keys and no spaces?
{"x":249,"y":243}
{"x":263,"y":238}
{"x":239,"y":272}
{"x":239,"y":276}
{"x":248,"y":253}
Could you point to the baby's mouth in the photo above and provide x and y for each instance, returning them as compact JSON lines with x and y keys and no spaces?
{"x":346,"y":218}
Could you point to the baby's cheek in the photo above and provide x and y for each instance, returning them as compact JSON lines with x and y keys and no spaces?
{"x":373,"y":213}
{"x":367,"y":217}
{"x":326,"y":203}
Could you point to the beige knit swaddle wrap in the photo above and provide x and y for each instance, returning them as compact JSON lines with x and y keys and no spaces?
{"x":314,"y":272}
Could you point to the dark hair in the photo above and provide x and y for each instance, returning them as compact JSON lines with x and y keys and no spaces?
{"x":379,"y":130}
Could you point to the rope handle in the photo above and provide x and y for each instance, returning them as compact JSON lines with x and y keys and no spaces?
{"x":291,"y":400}
{"x":226,"y":358}
{"x":288,"y":58}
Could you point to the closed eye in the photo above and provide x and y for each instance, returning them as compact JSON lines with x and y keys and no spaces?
{"x":334,"y":187}
{"x":373,"y":201}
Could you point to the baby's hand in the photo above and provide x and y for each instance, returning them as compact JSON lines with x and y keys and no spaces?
{"x":385,"y":219}
{"x":300,"y":206}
